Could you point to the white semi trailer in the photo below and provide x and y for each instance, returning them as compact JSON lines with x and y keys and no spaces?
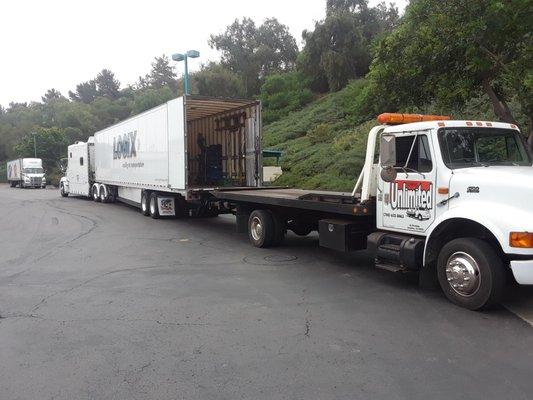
{"x":448,"y":200}
{"x":26,"y":172}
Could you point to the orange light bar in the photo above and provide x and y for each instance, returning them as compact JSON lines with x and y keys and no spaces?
{"x":393,"y":118}
{"x":443,"y":190}
{"x":521,"y":239}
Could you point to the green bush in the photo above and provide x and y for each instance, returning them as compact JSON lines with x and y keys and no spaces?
{"x":283,"y":93}
{"x":320,"y":133}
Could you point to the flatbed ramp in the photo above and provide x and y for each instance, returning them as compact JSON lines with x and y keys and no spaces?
{"x":315,"y":200}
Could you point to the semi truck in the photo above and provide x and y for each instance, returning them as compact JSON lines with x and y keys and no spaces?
{"x":26,"y":172}
{"x":449,"y":200}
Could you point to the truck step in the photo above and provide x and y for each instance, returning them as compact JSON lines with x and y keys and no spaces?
{"x":390,"y":267}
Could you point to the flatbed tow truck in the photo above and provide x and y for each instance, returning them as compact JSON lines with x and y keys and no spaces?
{"x":448,"y":200}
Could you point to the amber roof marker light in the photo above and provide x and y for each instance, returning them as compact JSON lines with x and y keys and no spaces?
{"x":395,"y":118}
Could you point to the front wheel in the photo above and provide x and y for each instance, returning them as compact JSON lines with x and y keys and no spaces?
{"x":63,"y":191}
{"x":471,"y":273}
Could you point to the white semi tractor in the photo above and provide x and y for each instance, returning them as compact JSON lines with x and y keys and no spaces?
{"x":26,"y":172}
{"x":448,"y":200}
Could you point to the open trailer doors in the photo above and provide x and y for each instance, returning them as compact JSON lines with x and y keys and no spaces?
{"x":223,"y":142}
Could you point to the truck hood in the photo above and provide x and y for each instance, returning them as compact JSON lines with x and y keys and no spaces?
{"x":506,"y":186}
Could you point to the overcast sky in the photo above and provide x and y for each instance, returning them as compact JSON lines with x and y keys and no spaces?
{"x":60,"y":43}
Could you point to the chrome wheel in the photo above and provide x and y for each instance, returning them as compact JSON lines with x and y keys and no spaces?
{"x":462,"y":273}
{"x":143,"y":204}
{"x":256,"y":229}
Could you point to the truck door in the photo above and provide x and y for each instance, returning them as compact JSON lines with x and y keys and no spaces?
{"x":408,"y":203}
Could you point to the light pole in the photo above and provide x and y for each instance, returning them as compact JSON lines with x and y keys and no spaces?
{"x":184,"y":57}
{"x":34,"y":145}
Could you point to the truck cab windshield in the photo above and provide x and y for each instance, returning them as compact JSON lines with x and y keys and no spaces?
{"x":476,"y":147}
{"x":33,"y":170}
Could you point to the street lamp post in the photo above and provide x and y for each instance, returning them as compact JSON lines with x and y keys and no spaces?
{"x":34,"y":145}
{"x":184,"y":57}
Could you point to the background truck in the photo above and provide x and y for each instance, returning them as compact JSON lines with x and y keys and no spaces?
{"x":447,"y":200}
{"x":26,"y":172}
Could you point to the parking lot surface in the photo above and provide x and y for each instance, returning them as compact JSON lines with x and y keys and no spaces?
{"x":99,"y":302}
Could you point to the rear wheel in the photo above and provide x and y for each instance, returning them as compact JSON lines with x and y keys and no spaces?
{"x":154,"y":209}
{"x":145,"y":203}
{"x":13,"y":183}
{"x":261,"y":228}
{"x":471,"y":273}
{"x":104,"y":194}
{"x":279,"y":229}
{"x":95,"y":193}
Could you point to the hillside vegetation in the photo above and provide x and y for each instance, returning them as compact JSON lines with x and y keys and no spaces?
{"x":324,"y":143}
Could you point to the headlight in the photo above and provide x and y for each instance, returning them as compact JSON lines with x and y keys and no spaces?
{"x":521,"y":239}
{"x":26,"y":179}
{"x":44,"y":178}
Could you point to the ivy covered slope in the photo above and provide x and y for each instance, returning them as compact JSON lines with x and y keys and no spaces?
{"x":323,"y":147}
{"x":324,"y":143}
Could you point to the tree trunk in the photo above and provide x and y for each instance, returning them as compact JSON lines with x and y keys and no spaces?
{"x":501,"y":109}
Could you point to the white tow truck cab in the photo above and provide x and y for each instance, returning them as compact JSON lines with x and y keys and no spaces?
{"x":448,"y":200}
{"x":26,"y":173}
{"x":453,"y":199}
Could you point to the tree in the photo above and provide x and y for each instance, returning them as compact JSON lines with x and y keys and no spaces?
{"x":85,"y":92}
{"x":162,"y":74}
{"x":339,"y":48}
{"x":253,"y":52}
{"x":448,"y":52}
{"x":215,"y":80}
{"x":107,"y":85}
{"x":52,"y":95}
{"x":51,"y":145}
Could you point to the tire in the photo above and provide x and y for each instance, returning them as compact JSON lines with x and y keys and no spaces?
{"x":154,"y":209}
{"x":13,"y":184}
{"x":145,"y":203}
{"x":95,"y":193}
{"x":62,"y":190}
{"x":103,"y":193}
{"x":279,"y":229}
{"x":477,"y":260}
{"x":261,"y":228}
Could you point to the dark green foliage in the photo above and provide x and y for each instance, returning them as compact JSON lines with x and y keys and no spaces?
{"x":447,"y":52}
{"x":51,"y":144}
{"x":255,"y":52}
{"x":338,"y":49}
{"x":282,"y":94}
{"x":215,"y":80}
{"x":149,"y":98}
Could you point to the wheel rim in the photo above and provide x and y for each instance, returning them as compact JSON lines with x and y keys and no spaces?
{"x":256,"y":228}
{"x":463,"y":274}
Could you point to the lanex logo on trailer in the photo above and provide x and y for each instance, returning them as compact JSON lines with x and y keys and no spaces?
{"x":124,"y":146}
{"x":411,"y":195}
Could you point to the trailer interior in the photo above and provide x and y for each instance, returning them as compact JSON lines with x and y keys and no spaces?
{"x":223,"y":147}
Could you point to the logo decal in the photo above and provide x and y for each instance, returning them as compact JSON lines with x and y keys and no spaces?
{"x":125,"y":146}
{"x":409,"y":195}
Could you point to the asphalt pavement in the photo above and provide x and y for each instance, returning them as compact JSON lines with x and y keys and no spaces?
{"x":100,"y":302}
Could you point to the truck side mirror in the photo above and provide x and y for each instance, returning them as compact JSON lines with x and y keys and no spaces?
{"x":387,"y":156}
{"x":387,"y":151}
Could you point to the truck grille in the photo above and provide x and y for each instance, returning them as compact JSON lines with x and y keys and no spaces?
{"x":36,"y":181}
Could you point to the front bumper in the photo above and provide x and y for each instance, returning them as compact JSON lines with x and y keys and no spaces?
{"x":523,"y":271}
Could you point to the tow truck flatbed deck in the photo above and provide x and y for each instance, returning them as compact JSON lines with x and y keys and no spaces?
{"x":313,"y":200}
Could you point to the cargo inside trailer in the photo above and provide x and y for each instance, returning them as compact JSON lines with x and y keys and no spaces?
{"x":223,"y":142}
